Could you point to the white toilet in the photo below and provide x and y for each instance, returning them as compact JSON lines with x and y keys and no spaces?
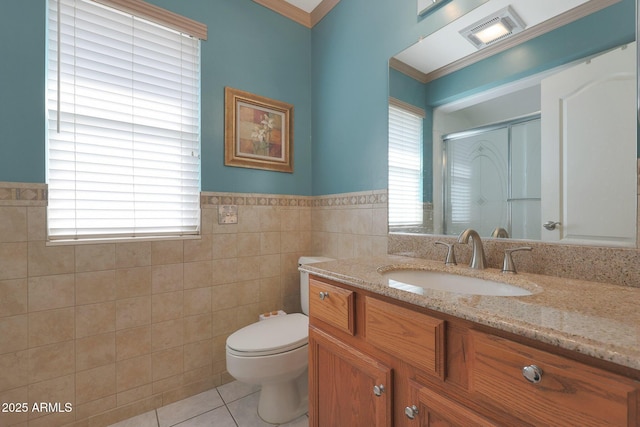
{"x":274,"y":354}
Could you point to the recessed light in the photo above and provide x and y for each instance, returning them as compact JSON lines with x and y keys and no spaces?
{"x":493,"y":28}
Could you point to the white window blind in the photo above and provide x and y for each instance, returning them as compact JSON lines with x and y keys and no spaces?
{"x":123,"y":125}
{"x":405,"y":166}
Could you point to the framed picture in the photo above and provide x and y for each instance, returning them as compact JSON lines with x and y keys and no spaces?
{"x":258,"y":132}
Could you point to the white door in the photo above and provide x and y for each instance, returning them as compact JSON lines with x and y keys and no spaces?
{"x":589,"y":132}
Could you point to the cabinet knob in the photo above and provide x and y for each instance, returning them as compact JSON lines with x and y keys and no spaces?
{"x":532,"y":373}
{"x":324,"y":295}
{"x":378,"y":390}
{"x":411,"y":411}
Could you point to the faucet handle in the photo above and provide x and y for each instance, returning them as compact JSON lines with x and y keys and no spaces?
{"x":451,"y":253}
{"x":508,"y":266}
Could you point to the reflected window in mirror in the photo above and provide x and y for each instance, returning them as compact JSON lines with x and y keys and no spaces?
{"x":405,"y":165}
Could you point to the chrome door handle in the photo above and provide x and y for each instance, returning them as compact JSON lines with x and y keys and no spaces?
{"x":551,"y":225}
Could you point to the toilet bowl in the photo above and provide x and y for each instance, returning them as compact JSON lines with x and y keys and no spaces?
{"x":273,"y":353}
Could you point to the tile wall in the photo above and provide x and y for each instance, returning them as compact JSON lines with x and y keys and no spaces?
{"x":118,"y":329}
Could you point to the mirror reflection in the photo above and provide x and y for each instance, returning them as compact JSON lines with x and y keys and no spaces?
{"x":535,"y":139}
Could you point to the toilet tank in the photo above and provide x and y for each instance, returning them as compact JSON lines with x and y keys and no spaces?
{"x":304,"y":280}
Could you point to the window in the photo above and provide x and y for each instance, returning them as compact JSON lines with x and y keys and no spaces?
{"x":405,"y":164}
{"x":123,"y":109}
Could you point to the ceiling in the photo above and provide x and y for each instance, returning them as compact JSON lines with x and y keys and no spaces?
{"x":306,"y":5}
{"x":446,"y":45}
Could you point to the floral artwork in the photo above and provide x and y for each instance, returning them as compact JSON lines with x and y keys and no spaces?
{"x":258,"y":132}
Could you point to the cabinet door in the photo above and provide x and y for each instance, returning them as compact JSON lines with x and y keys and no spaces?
{"x":346,"y":386}
{"x":429,"y":409}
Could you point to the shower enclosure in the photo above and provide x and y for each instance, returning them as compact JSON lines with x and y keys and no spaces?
{"x":491,"y":179}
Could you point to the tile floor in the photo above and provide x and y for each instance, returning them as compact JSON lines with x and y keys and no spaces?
{"x":230,"y":405}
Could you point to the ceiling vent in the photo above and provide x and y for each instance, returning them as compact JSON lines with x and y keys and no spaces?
{"x":490,"y":30}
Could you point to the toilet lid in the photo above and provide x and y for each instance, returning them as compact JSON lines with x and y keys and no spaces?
{"x":272,"y":336}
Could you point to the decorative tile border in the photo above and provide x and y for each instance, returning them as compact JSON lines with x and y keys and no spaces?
{"x":23,"y":194}
{"x":212,"y":199}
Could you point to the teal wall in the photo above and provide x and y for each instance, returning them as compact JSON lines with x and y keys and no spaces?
{"x":249,"y":48}
{"x":351,"y":47}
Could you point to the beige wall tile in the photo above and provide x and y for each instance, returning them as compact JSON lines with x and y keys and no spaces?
{"x":95,"y":319}
{"x":136,"y":393}
{"x":14,"y":370}
{"x":96,"y":257}
{"x":270,"y":243}
{"x":48,"y":292}
{"x":132,"y":312}
{"x":207,"y":217}
{"x":133,"y":342}
{"x":166,"y":252}
{"x":225,"y":271}
{"x":95,"y":383}
{"x":51,"y":361}
{"x":197,"y":301}
{"x":13,"y":297}
{"x":13,"y":224}
{"x":136,"y":254}
{"x":95,"y":286}
{"x":166,"y":306}
{"x":36,"y":223}
{"x":48,"y":260}
{"x":167,"y":363}
{"x":269,"y":265}
{"x":14,"y":333}
{"x":248,"y":244}
{"x":198,"y":249}
{"x":269,"y":218}
{"x":13,"y":261}
{"x":133,"y":282}
{"x":197,"y":328}
{"x":165,"y":384}
{"x":248,"y":268}
{"x":224,"y":296}
{"x":224,"y":246}
{"x":96,"y":350}
{"x":167,"y":334}
{"x":290,"y":241}
{"x":225,"y":322}
{"x":290,"y":220}
{"x":51,"y":326}
{"x":198,"y":274}
{"x":165,"y":278}
{"x":198,"y":354}
{"x":61,"y":389}
{"x":133,"y":373}
{"x":94,"y":407}
{"x":248,"y":219}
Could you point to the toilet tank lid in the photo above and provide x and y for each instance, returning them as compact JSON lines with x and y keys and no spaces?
{"x":313,"y":259}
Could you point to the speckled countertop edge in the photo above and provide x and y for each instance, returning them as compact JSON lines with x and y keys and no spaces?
{"x":597,"y":319}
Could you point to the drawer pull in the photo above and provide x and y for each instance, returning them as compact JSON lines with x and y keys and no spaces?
{"x":411,"y":412}
{"x":324,"y":295}
{"x":378,"y":390}
{"x":532,"y":373}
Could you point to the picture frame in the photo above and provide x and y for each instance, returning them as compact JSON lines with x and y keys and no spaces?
{"x":258,"y":132}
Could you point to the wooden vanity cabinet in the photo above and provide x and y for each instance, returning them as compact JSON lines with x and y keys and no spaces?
{"x":375,"y":361}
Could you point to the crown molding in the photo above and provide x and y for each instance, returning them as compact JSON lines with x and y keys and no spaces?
{"x":298,"y":15}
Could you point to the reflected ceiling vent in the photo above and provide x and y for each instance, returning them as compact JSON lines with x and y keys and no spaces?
{"x":498,"y":26}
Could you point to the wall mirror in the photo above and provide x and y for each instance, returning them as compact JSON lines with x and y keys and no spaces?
{"x":531,"y":137}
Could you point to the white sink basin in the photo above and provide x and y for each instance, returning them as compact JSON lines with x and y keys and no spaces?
{"x":407,"y":279}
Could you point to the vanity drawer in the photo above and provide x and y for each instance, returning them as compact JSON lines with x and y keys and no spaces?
{"x":569,"y":393}
{"x":409,"y":335}
{"x":332,"y":305}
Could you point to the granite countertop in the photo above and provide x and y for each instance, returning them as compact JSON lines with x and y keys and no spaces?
{"x":597,"y":319}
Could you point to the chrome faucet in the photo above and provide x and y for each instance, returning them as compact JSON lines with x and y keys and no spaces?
{"x":478,"y":260}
